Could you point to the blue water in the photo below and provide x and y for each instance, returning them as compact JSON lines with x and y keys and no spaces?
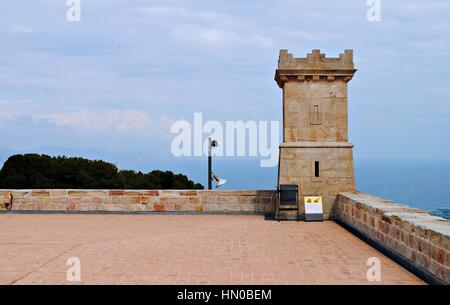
{"x":423,"y":184}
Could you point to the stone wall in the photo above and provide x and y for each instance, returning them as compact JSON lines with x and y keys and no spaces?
{"x":336,"y":171}
{"x":420,"y":238}
{"x":251,"y":202}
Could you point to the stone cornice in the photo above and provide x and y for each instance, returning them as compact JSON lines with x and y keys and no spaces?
{"x":312,"y":75}
{"x":310,"y":144}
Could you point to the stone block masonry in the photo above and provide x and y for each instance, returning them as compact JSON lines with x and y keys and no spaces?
{"x":245,"y":202}
{"x":418,"y":237}
{"x":315,"y":153}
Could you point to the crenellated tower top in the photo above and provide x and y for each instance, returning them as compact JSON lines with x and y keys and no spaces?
{"x":314,"y":67}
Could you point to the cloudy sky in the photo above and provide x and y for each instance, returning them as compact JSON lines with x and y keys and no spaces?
{"x":110,"y":86}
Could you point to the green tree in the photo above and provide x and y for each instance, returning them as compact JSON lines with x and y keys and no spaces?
{"x":42,"y":171}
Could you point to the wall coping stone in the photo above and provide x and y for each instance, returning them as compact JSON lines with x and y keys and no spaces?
{"x":413,"y":234}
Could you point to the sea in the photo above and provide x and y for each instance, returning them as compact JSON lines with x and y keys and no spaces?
{"x":423,"y":184}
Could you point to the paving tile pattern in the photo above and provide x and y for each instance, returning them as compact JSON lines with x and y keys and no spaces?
{"x":185,"y":249}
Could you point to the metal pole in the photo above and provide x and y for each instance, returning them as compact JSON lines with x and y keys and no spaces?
{"x":209,"y":164}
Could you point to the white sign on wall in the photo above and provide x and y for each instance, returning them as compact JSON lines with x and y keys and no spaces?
{"x":313,"y":208}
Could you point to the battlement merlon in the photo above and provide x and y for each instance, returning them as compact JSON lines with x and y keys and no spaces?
{"x":314,"y":67}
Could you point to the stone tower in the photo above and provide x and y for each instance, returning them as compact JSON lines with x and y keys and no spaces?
{"x":315,"y":153}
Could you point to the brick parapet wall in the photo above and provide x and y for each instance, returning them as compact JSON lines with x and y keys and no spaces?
{"x":252,"y":202}
{"x":415,"y":235}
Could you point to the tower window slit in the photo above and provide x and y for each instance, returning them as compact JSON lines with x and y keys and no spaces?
{"x":316,"y":169}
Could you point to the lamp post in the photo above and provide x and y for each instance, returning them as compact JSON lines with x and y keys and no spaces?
{"x":213,"y":143}
{"x":209,"y":164}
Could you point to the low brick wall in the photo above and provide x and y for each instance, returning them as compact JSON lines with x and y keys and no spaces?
{"x":420,"y":238}
{"x":252,"y":202}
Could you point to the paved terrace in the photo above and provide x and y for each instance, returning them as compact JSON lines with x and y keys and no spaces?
{"x":185,"y":249}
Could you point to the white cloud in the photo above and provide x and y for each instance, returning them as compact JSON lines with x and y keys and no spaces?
{"x":117,"y":120}
{"x":113,"y":120}
{"x":165,"y":122}
{"x":206,"y":27}
{"x":218,"y":37}
{"x":177,"y":12}
{"x":418,"y":7}
{"x":314,"y":35}
{"x":21,"y":29}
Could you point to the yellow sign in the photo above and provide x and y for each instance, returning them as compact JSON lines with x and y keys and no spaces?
{"x":313,"y":208}
{"x":313,"y":200}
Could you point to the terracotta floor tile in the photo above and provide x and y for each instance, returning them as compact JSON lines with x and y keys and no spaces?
{"x":185,"y":249}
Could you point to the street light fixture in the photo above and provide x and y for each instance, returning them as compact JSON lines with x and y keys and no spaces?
{"x":219,"y":182}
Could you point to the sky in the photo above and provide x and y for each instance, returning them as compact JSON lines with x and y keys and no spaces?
{"x":110,"y":86}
